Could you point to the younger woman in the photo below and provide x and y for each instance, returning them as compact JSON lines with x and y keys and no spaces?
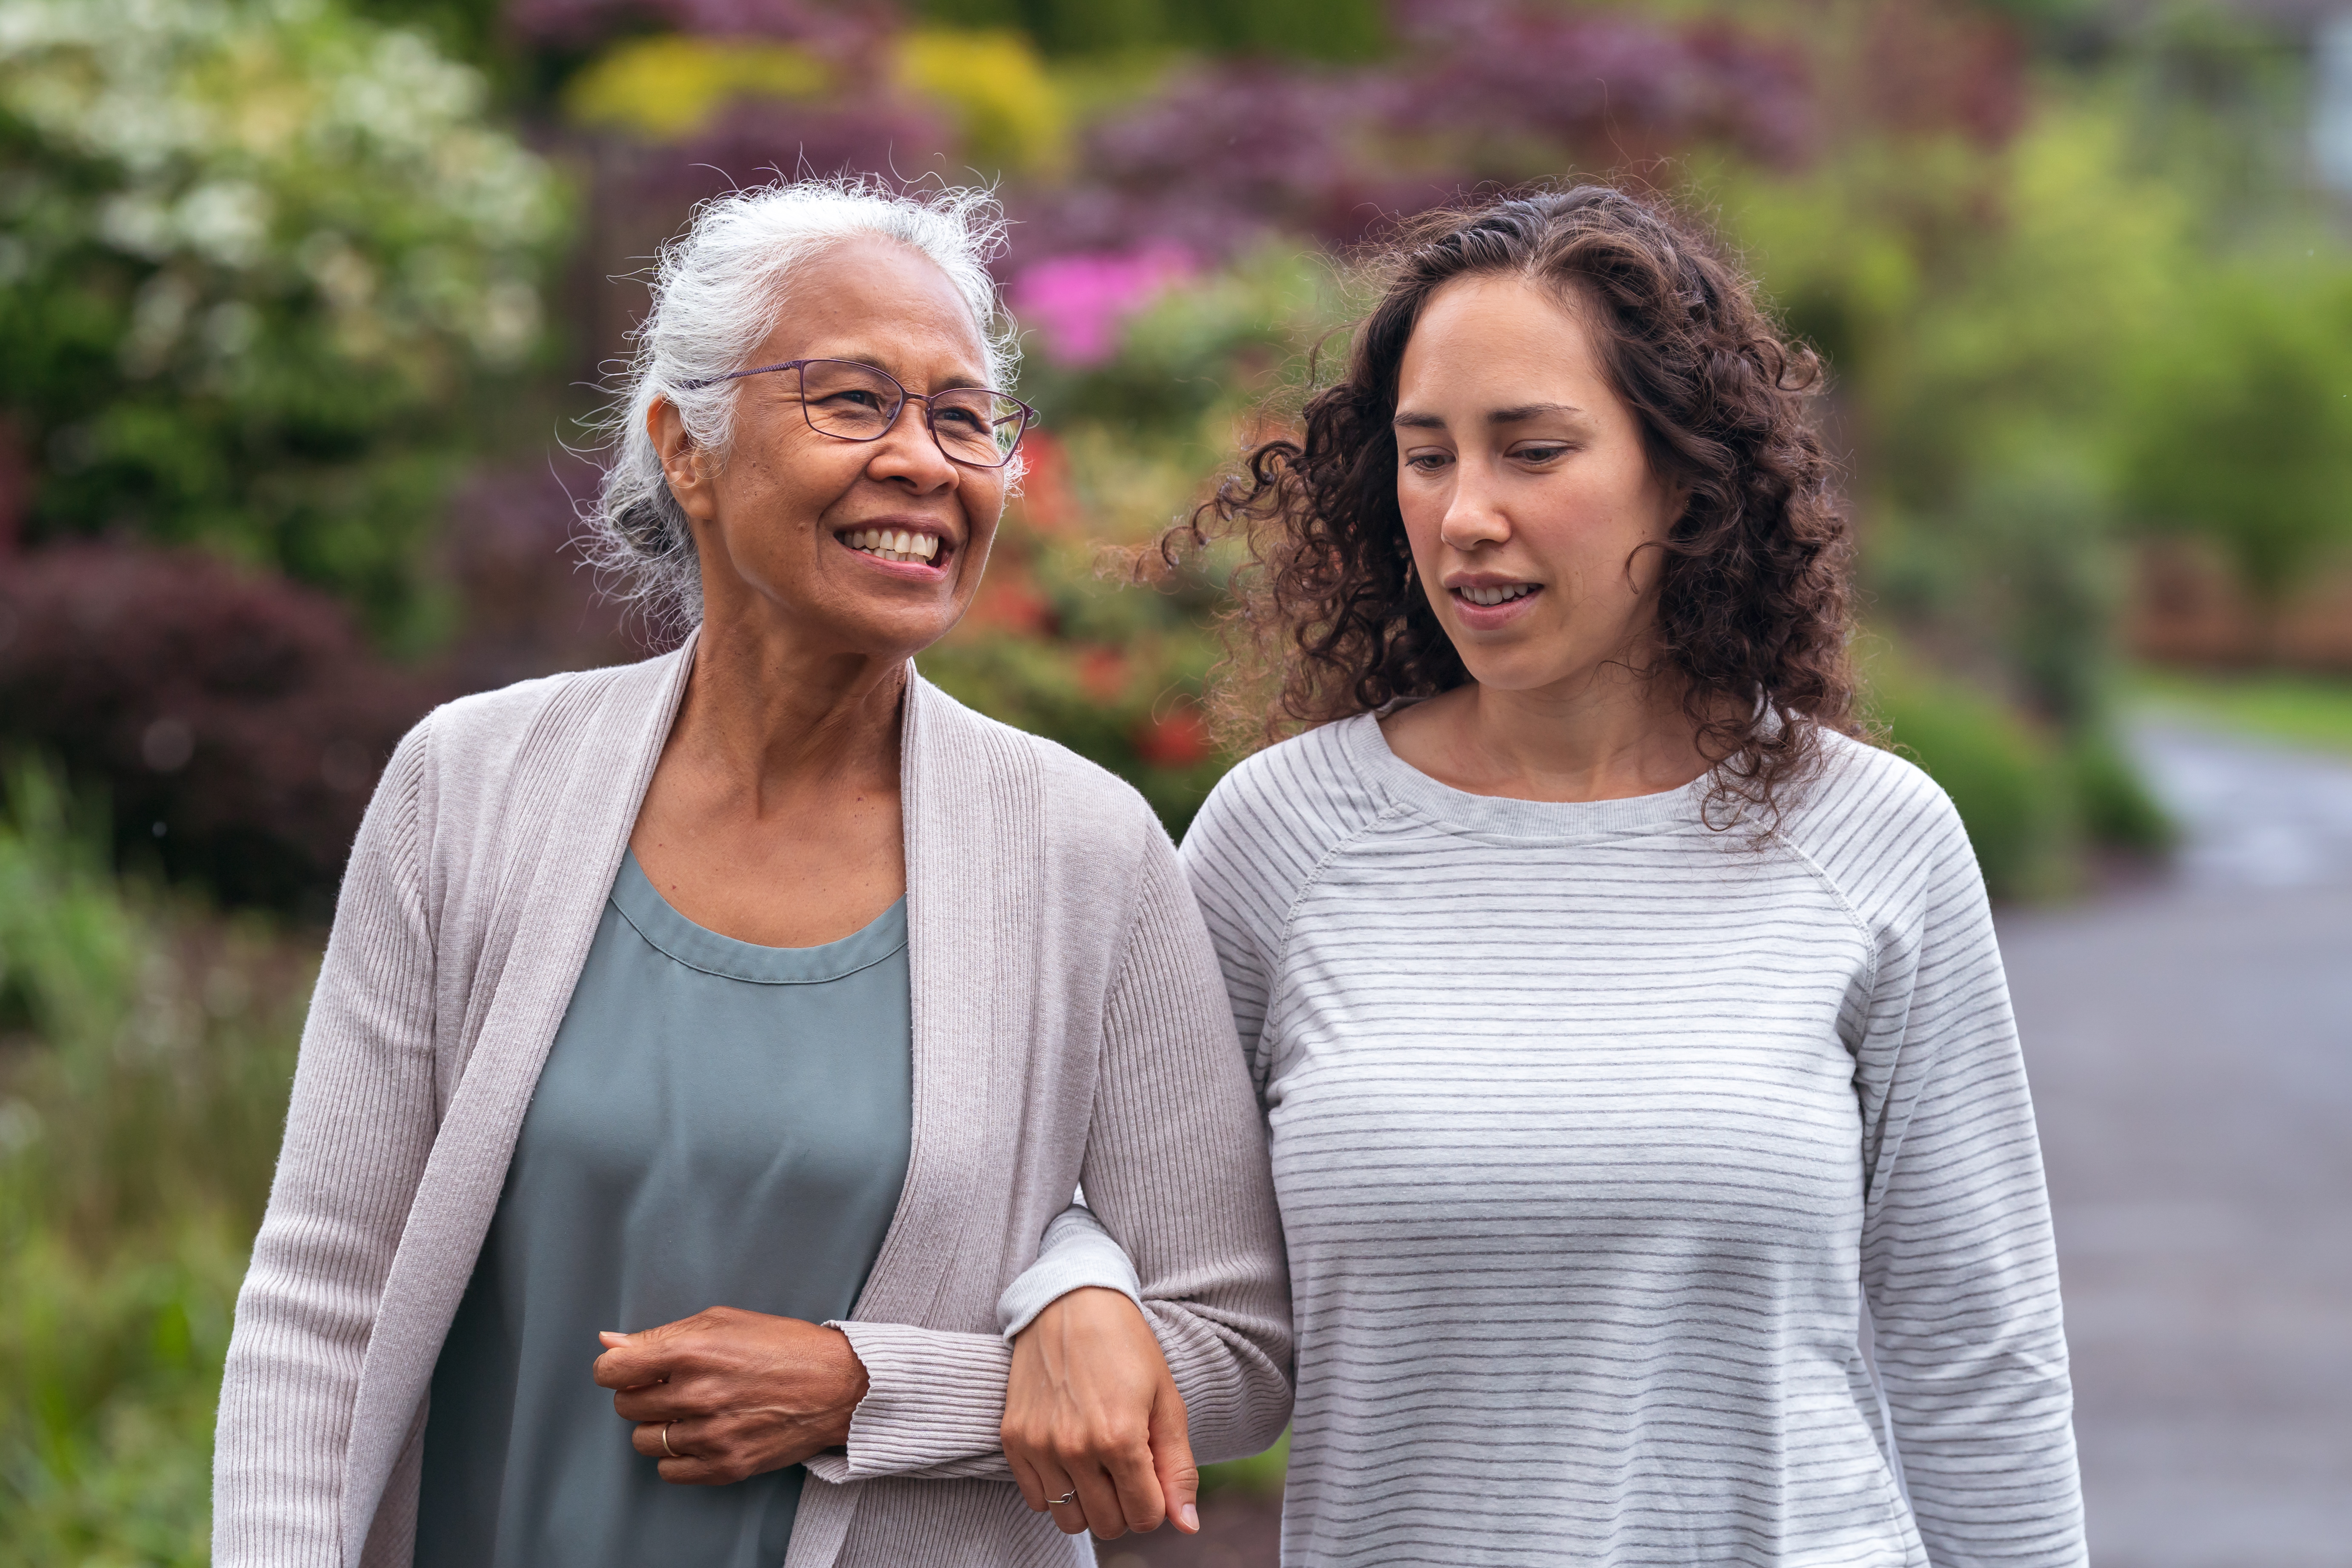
{"x":1646,"y":1112}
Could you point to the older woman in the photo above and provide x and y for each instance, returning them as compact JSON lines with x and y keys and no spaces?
{"x":752,"y":1008}
{"x":1647,"y":1116}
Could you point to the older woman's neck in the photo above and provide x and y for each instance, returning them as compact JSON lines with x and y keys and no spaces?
{"x":773,"y":710}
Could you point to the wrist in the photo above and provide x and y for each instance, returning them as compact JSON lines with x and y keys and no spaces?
{"x":853,"y":1385}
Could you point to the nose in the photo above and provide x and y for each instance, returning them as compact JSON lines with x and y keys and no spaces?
{"x":1472,"y":515}
{"x":908,"y":455}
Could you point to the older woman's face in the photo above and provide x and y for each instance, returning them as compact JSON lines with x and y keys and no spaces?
{"x":1526,"y":494}
{"x":787,"y":524}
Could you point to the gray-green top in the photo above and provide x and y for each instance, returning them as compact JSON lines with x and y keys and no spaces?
{"x":718,"y":1124}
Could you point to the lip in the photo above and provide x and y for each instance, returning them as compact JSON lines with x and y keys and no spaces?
{"x":930,"y":571}
{"x":1489,"y":617}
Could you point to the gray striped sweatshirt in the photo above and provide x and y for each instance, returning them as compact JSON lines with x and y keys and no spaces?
{"x":1594,"y":1131}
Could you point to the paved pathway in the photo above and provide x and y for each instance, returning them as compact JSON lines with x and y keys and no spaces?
{"x":2190,"y":1049}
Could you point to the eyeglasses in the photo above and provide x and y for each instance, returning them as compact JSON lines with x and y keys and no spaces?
{"x":853,"y":402}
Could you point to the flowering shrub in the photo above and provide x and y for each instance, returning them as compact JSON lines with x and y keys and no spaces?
{"x":252,"y":258}
{"x":671,"y":85}
{"x":1009,"y":111}
{"x":1076,"y":303}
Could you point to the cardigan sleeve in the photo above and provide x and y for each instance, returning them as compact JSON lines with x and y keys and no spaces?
{"x":1177,"y":1170}
{"x":1176,"y":1167}
{"x":358,"y":1131}
{"x":1957,"y":1259}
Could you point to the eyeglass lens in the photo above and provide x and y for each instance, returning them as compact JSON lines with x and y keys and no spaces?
{"x":857,"y":402}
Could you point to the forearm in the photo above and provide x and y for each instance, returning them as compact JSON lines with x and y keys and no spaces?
{"x":1177,"y":1170}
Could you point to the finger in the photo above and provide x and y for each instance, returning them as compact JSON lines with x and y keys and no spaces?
{"x":1137,"y":1483}
{"x":1172,"y":1458}
{"x":1105,"y":1516}
{"x":657,"y":1402}
{"x":678,"y":1451}
{"x":1054,"y":1485}
{"x":636,"y":1359}
{"x":1024,"y":1475}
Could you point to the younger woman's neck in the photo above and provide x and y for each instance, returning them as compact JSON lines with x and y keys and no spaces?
{"x":1610,"y":735}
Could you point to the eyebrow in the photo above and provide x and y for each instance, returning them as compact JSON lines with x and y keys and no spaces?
{"x":1517,"y":414}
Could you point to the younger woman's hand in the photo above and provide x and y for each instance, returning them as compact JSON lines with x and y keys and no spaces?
{"x":1090,"y":1409}
{"x":727,"y":1394}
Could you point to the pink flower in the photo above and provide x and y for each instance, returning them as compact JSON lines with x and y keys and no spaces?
{"x":1078,"y":302}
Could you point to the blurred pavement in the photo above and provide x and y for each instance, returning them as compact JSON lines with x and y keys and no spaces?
{"x":2189,"y":1044}
{"x":2190,"y":1051}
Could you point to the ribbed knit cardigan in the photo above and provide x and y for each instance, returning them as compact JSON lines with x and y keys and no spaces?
{"x":1069,"y":1024}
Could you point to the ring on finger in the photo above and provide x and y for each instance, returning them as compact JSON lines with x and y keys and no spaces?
{"x":1070,"y":1496}
{"x":672,"y":1453}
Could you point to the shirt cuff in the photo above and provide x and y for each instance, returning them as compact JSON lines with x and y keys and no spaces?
{"x":1076,"y":1253}
{"x":934,"y":1406}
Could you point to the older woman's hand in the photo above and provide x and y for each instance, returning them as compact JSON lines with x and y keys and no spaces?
{"x":1090,"y":1409}
{"x":726,"y":1395}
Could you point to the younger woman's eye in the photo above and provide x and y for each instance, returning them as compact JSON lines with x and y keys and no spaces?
{"x":1539,"y":453}
{"x":1426,"y":462}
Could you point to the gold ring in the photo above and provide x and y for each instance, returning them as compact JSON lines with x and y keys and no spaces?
{"x":672,"y":1453}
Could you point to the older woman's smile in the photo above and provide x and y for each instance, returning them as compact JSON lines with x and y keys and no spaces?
{"x":923,"y":546}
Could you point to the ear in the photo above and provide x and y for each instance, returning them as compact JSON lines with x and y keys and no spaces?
{"x":681,"y":461}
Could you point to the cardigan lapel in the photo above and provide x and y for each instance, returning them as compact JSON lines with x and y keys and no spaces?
{"x":975,"y":828}
{"x":584,"y":805}
{"x":974,"y":841}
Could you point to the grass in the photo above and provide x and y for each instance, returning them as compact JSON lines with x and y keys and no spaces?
{"x":146,"y":1048}
{"x":2310,"y":711}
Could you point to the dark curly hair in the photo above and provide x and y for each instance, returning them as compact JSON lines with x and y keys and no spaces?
{"x":1331,"y":619}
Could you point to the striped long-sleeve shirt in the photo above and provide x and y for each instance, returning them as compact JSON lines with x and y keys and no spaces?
{"x":1594,"y":1129}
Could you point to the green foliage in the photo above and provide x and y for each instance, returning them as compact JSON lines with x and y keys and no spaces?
{"x":2008,"y":787}
{"x":2241,"y":425}
{"x":1260,"y":1475}
{"x":258,"y":261}
{"x":147,"y":1053}
{"x":2299,"y":710}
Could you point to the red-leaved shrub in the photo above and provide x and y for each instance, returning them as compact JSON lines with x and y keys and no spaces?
{"x":236,"y":723}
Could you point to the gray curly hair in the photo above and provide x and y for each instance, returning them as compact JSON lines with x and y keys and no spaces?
{"x":718,"y":290}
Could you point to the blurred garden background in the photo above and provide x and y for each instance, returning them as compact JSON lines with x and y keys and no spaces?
{"x":305,"y":305}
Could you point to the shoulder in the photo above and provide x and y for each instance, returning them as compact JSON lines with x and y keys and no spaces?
{"x":1875,"y":822}
{"x":1271,"y":820}
{"x":1311,"y":786}
{"x":467,"y":752}
{"x":1079,"y":798}
{"x":551,"y":705}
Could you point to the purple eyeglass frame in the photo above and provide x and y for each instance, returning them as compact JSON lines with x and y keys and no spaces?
{"x":1029,"y":416}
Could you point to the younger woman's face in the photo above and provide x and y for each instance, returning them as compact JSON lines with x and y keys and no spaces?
{"x":1526,"y":494}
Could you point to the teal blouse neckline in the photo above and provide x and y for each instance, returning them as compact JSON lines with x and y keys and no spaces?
{"x":697,"y":947}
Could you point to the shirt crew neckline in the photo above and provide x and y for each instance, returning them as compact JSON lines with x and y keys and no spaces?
{"x":699,"y":947}
{"x":1559,"y":821}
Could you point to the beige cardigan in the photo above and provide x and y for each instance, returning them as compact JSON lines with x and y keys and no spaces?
{"x":1069,"y":1024}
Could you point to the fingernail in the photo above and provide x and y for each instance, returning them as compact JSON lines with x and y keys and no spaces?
{"x":1191,"y":1517}
{"x":612,"y":1336}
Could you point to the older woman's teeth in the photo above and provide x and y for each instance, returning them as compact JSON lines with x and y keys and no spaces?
{"x":1496,"y":595}
{"x":894,"y":544}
